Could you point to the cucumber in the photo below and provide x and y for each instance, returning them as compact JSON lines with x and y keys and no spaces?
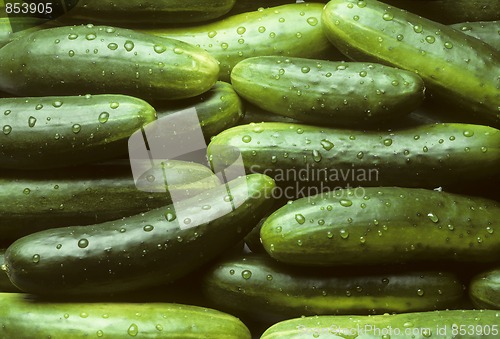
{"x":33,"y":201}
{"x":76,"y":60}
{"x":288,"y":30}
{"x":13,"y":27}
{"x":145,"y":13}
{"x":49,"y":132}
{"x":487,"y":31}
{"x":256,"y":114}
{"x":244,"y":6}
{"x":144,"y":250}
{"x":415,"y":325}
{"x":218,"y":109}
{"x":25,"y":316}
{"x":383,"y":225}
{"x":326,"y":92}
{"x":258,"y":286}
{"x":484,"y":289}
{"x":5,"y":284}
{"x":451,"y":11}
{"x":306,"y":160}
{"x":459,"y":70}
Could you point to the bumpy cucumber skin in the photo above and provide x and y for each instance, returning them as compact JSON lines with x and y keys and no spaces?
{"x":218,"y":109}
{"x":259,"y":286}
{"x":149,"y":12}
{"x":288,"y":30}
{"x":458,"y":70}
{"x":49,"y":132}
{"x":417,"y":325}
{"x":424,"y":156}
{"x":484,"y":289}
{"x":145,"y":250}
{"x":487,"y":31}
{"x":326,"y":92}
{"x":24,"y":316}
{"x":33,"y":201}
{"x":383,"y":225}
{"x":5,"y":284}
{"x":76,"y":60}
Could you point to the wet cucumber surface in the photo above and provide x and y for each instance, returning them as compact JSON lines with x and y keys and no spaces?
{"x":484,"y":289}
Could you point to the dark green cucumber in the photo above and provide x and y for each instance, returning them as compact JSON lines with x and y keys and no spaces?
{"x":5,"y":284}
{"x":23,"y":316}
{"x":145,"y":13}
{"x":327,"y":92}
{"x":487,"y":31}
{"x":258,"y":286}
{"x":451,"y":11}
{"x":459,"y":70}
{"x":299,"y":156}
{"x":144,"y":250}
{"x":363,"y":226}
{"x":416,"y":325}
{"x":218,"y":109}
{"x":33,"y":201}
{"x":289,"y":30}
{"x":484,"y":289}
{"x":49,"y":132}
{"x":76,"y":60}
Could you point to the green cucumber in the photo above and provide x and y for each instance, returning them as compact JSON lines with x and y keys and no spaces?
{"x":288,"y":30}
{"x":451,"y":11}
{"x":258,"y":286}
{"x":487,"y":31}
{"x":49,"y":132}
{"x":15,"y":27}
{"x":5,"y":284}
{"x":256,"y":114}
{"x":24,"y":316}
{"x":484,"y":289}
{"x":298,"y":156}
{"x":33,"y":201}
{"x":218,"y":109}
{"x":144,"y":13}
{"x":326,"y":92}
{"x":144,"y":250}
{"x":76,"y":60}
{"x":416,"y":325}
{"x":459,"y":70}
{"x":383,"y":225}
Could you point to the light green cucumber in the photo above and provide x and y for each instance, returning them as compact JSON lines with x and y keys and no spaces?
{"x":76,"y":60}
{"x":418,"y":325}
{"x":288,"y":30}
{"x":383,"y":225}
{"x":326,"y":92}
{"x":49,"y":132}
{"x":33,"y":201}
{"x":460,"y":72}
{"x":484,"y":289}
{"x":145,"y":250}
{"x":25,"y":316}
{"x":258,"y":286}
{"x":487,"y":31}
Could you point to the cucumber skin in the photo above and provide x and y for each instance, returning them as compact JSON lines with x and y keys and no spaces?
{"x":26,"y":316}
{"x":380,"y":225}
{"x":426,"y":156}
{"x":5,"y":284}
{"x":487,"y":31}
{"x":484,"y":289}
{"x":457,"y":69}
{"x":320,"y":97}
{"x":49,"y":68}
{"x":145,"y":13}
{"x":418,"y":325}
{"x":218,"y":109}
{"x":229,"y":47}
{"x":121,"y":255}
{"x":66,"y":130}
{"x":276,"y":291}
{"x":33,"y":201}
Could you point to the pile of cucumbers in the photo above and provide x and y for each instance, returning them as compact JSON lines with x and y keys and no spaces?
{"x":346,"y":188}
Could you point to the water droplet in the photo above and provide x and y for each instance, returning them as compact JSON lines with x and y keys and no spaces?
{"x":420,"y":292}
{"x":345,"y":202}
{"x":305,"y":69}
{"x":26,"y":191}
{"x":246,"y":274}
{"x":425,"y":149}
{"x":312,"y":21}
{"x":83,"y":243}
{"x":228,"y":198}
{"x":246,"y":139}
{"x":261,"y":29}
{"x":58,"y":246}
{"x":212,"y":34}
{"x":148,"y":228}
{"x":316,"y":156}
{"x":355,"y":18}
{"x":400,"y":37}
{"x":433,"y":217}
{"x":326,"y":144}
{"x":100,"y":333}
{"x":7,"y":112}
{"x":224,"y":45}
{"x":300,"y":218}
{"x":269,"y":277}
{"x":388,"y":16}
{"x":187,"y":221}
{"x":7,"y":129}
{"x":57,"y":103}
{"x":344,"y":234}
{"x":451,"y":227}
{"x":103,"y":117}
{"x":231,"y":272}
{"x":129,"y":45}
{"x":489,"y":229}
{"x":363,"y":74}
{"x":430,"y":39}
{"x":468,"y":133}
{"x":36,"y":258}
{"x":448,"y":45}
{"x":73,"y":36}
{"x":426,"y":332}
{"x":362,"y":239}
{"x":90,"y":36}
{"x":241,"y":30}
{"x":281,"y":20}
{"x":418,"y":28}
{"x":31,"y":121}
{"x":112,"y":46}
{"x":76,"y":128}
{"x":388,"y":142}
{"x":170,"y":216}
{"x":133,"y":330}
{"x":159,"y":327}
